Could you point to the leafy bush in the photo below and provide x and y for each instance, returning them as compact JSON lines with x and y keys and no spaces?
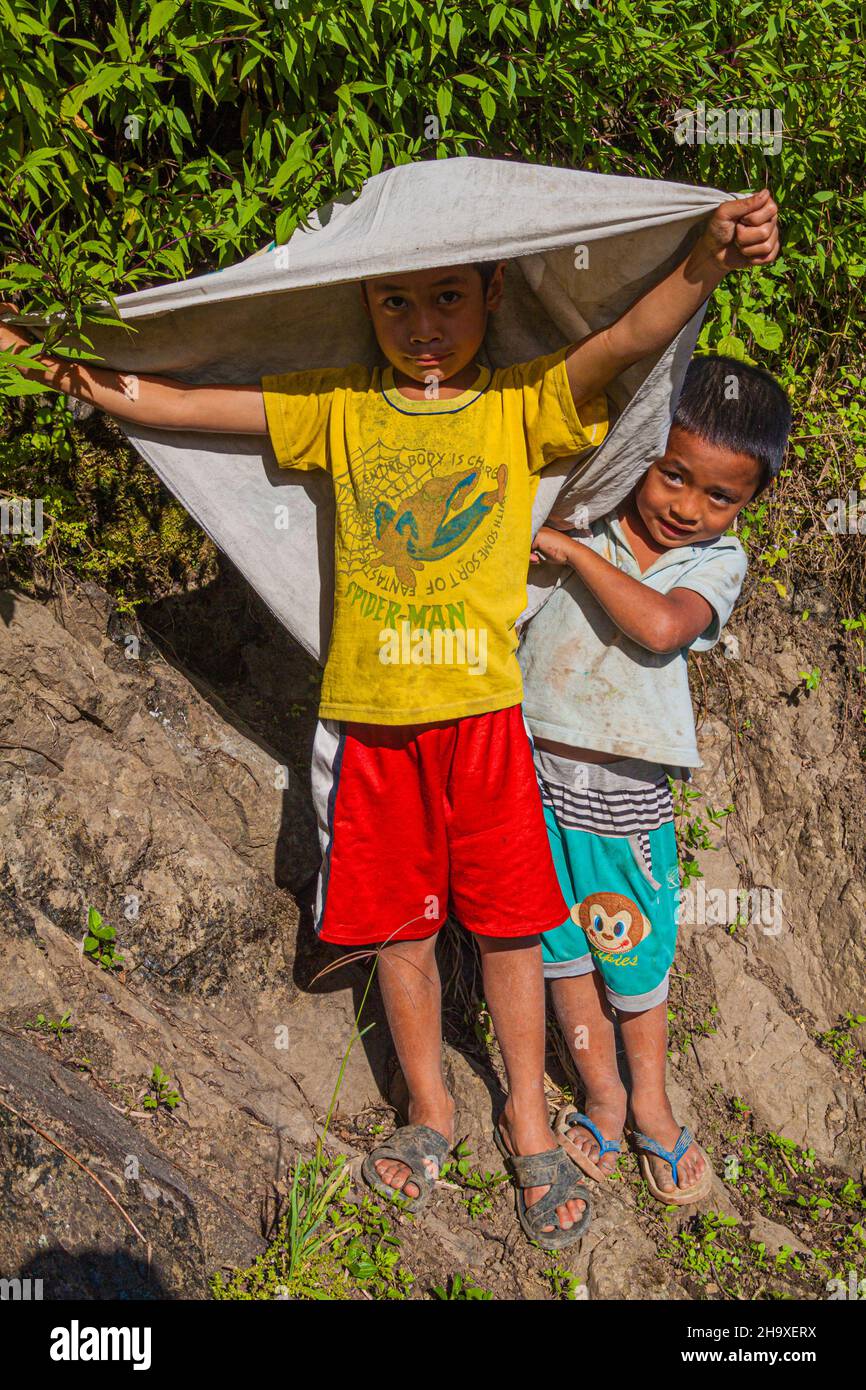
{"x":148,"y":142}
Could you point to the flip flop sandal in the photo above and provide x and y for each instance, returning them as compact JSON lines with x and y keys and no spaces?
{"x":569,"y":1119}
{"x":538,"y":1170}
{"x":681,"y":1196}
{"x":423,"y":1150}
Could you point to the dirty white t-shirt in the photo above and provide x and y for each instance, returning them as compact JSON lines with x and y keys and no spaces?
{"x":589,"y":685}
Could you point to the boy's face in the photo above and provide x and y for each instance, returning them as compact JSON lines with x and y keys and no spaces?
{"x":431,"y":323}
{"x":694,"y":491}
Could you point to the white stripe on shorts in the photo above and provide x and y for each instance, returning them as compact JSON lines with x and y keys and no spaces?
{"x":324,"y":775}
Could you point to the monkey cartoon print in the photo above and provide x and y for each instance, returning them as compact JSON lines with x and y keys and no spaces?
{"x":611,"y":921}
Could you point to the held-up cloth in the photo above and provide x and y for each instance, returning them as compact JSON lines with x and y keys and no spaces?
{"x":581,"y":248}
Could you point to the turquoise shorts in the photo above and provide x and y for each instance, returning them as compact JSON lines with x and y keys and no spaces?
{"x":611,"y":833}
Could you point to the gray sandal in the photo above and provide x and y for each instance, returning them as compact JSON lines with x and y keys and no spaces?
{"x":537,"y":1170}
{"x":422,"y":1149}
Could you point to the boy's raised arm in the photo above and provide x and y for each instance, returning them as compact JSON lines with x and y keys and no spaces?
{"x":159,"y":401}
{"x":743,"y":232}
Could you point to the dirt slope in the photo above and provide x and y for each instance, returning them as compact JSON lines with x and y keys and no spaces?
{"x":164,"y":784}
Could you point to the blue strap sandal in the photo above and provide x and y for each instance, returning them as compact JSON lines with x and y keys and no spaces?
{"x":423,"y":1150}
{"x":680,"y":1196}
{"x":551,"y":1168}
{"x":569,"y":1119}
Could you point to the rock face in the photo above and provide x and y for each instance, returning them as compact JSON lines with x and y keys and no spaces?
{"x":795,"y":852}
{"x":132,"y":784}
{"x":156,"y":1240}
{"x":128,"y":790}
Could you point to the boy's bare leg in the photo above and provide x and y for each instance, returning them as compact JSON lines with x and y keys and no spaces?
{"x":586,"y":1020}
{"x":412,"y":994}
{"x":645,"y":1036}
{"x":514,"y":991}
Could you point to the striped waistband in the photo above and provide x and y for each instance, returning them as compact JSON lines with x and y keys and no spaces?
{"x":619,"y":798}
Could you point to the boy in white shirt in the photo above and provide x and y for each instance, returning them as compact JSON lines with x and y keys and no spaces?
{"x":606,"y":698}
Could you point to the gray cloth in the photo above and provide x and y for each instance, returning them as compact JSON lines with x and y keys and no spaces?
{"x":294,"y":307}
{"x":621,"y":775}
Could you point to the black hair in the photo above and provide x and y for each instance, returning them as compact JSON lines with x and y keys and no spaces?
{"x":752,"y":418}
{"x":485,"y":270}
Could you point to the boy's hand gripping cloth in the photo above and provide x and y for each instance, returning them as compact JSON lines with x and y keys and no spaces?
{"x":582,"y":247}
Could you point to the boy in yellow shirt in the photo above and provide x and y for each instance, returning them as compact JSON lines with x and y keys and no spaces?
{"x":423,"y":775}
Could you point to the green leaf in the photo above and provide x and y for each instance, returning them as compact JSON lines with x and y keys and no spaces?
{"x":297,"y":156}
{"x":456,"y":30}
{"x":767,"y":335}
{"x":236,"y":6}
{"x":103,"y":76}
{"x":159,"y":17}
{"x":731,"y":346}
{"x":497,"y":14}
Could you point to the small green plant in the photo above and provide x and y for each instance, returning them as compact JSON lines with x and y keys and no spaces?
{"x":98,"y":944}
{"x":740,"y":920}
{"x":688,"y":1018}
{"x":693,"y":832}
{"x":56,"y":1026}
{"x":161,"y":1092}
{"x":477,"y":1187}
{"x":300,"y":1262}
{"x":462,"y":1289}
{"x":792,"y":1186}
{"x":719,"y":1258}
{"x":839,"y":1042}
{"x":564,"y":1285}
{"x":482,"y":1025}
{"x":370,"y":1252}
{"x":811,"y":679}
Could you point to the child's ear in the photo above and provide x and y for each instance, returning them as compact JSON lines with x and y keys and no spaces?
{"x":496,"y":287}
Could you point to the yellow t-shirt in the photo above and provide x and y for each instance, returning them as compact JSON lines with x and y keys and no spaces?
{"x":433,"y":527}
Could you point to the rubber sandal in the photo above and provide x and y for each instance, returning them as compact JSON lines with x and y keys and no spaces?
{"x":423,"y":1150}
{"x":680,"y":1196}
{"x":568,"y":1119}
{"x":553,"y":1167}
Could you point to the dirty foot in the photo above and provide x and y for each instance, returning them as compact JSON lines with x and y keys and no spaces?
{"x":438,"y":1115}
{"x":607,"y":1113}
{"x":656,"y":1121}
{"x":534,"y":1138}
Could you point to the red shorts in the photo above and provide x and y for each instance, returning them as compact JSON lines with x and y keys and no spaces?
{"x":419,"y":820}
